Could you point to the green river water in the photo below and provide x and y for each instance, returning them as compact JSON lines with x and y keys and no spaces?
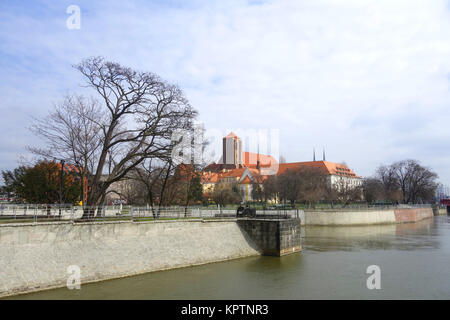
{"x":414,"y":260}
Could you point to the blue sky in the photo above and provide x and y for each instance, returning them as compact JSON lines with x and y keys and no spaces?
{"x":369,"y":80}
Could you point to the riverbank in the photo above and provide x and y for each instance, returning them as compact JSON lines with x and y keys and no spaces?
{"x":36,"y":257}
{"x":412,"y":258}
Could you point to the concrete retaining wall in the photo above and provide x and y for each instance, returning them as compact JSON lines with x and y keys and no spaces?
{"x":35,"y":257}
{"x":367,"y":217}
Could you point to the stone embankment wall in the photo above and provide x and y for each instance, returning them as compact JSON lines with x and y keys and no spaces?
{"x":36,"y":257}
{"x":364,"y":217}
{"x":412,"y":215}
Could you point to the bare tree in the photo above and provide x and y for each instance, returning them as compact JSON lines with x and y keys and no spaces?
{"x":346,"y":191}
{"x":149,"y":173}
{"x":313,"y":183}
{"x":303,"y":184}
{"x":129,"y":189}
{"x":416,"y":183}
{"x":72,"y":132}
{"x":226,"y":193}
{"x":388,"y":179}
{"x":139,"y":113}
{"x":270,"y":189}
{"x":408,"y":181}
{"x":289,"y":184}
{"x":373,"y":190}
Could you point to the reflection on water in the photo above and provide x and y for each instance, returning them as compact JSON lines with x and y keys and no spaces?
{"x":408,"y":236}
{"x":414,"y":259}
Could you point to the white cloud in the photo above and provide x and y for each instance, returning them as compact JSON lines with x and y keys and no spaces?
{"x":367,"y":79}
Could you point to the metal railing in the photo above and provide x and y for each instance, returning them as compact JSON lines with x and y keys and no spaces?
{"x":34,"y":213}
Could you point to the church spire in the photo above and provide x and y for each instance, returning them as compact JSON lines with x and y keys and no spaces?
{"x":324,"y":154}
{"x":314,"y":154}
{"x":257,"y":160}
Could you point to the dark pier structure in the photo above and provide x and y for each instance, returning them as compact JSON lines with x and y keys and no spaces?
{"x":273,"y":237}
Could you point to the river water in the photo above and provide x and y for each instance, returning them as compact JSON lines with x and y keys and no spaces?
{"x":414,"y":262}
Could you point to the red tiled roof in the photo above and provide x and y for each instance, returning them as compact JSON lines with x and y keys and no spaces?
{"x":326,"y":167}
{"x":233,"y":173}
{"x":209,"y":177}
{"x":251,"y":158}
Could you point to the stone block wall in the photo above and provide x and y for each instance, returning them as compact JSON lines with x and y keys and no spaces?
{"x":273,"y":237}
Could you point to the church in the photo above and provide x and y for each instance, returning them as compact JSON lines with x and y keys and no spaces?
{"x":244,"y":168}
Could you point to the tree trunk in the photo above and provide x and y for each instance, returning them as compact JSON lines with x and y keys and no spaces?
{"x":164,"y":184}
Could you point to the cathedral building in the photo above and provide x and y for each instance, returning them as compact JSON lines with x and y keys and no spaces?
{"x":244,"y":169}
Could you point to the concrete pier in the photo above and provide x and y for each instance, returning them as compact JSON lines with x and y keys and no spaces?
{"x":273,"y":237}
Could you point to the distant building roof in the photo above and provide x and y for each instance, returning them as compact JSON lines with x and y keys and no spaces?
{"x":251,"y":158}
{"x":232,"y":135}
{"x":327,"y":167}
{"x":233,"y":173}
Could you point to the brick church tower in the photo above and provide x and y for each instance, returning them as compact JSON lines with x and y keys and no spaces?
{"x":232,"y":155}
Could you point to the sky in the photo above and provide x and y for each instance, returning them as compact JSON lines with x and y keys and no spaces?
{"x":369,"y":81}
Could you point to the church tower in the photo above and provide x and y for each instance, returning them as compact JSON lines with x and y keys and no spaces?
{"x":232,"y":151}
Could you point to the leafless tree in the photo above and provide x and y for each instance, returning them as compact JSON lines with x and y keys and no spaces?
{"x":289,"y":184}
{"x":346,"y":191}
{"x":373,"y":190}
{"x":226,"y":193}
{"x":416,"y":183}
{"x":139,"y":113}
{"x":387,"y":177}
{"x":72,"y":132}
{"x":149,"y":173}
{"x":129,"y":189}
{"x":303,"y":184}
{"x":313,"y":183}
{"x":270,"y":188}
